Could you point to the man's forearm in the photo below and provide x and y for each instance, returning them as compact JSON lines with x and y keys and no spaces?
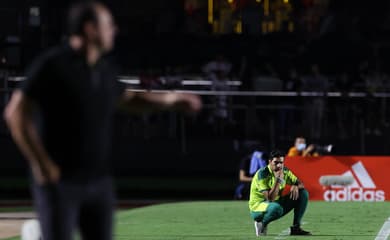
{"x":243,"y":177}
{"x":273,"y":192}
{"x":147,"y":101}
{"x":19,"y":121}
{"x":26,"y":138}
{"x":140,"y":102}
{"x":305,"y":153}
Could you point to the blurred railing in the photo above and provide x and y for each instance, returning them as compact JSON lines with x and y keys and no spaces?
{"x":354,"y":120}
{"x":174,"y":146}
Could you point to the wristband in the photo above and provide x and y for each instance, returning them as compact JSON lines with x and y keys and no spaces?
{"x":297,"y":182}
{"x":280,"y":180}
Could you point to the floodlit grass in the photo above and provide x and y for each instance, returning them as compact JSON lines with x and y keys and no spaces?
{"x":229,"y":220}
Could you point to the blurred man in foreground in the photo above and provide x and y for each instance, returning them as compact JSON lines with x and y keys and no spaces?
{"x":301,"y":149}
{"x":266,"y":202}
{"x":73,"y":91}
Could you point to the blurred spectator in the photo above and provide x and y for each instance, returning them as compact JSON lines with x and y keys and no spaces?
{"x":343,"y":84}
{"x":300,"y":148}
{"x":267,"y":79}
{"x":360,"y":75}
{"x":292,"y":83}
{"x":315,"y":109}
{"x":217,"y":71}
{"x":172,"y":78}
{"x":150,"y":79}
{"x":248,"y":167}
{"x":374,"y":82}
{"x":218,"y":68}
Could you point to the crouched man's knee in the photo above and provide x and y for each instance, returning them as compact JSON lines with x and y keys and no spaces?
{"x":303,"y":194}
{"x":275,"y":210}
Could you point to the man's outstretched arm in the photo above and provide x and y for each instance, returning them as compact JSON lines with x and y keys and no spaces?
{"x":18,"y":116}
{"x":140,"y":102}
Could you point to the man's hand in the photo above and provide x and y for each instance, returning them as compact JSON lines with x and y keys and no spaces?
{"x":188,"y":103}
{"x":274,"y":191}
{"x":294,"y":192}
{"x":308,"y":150}
{"x":279,"y":174}
{"x":46,"y":173}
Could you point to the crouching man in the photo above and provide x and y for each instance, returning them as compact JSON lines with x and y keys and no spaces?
{"x":266,"y":202}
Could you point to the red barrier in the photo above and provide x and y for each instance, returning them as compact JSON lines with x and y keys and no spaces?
{"x":371,"y":177}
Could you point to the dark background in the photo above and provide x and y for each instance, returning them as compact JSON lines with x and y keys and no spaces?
{"x":170,"y":155}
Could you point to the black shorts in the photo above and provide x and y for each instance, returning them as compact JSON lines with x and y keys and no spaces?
{"x":68,"y":206}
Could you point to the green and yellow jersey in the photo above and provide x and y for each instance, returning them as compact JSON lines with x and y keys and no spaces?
{"x":264,"y":180}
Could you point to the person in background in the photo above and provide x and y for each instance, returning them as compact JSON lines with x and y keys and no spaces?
{"x":292,"y":82}
{"x":342,"y":108}
{"x":172,"y":78}
{"x":248,"y":167}
{"x":301,"y":149}
{"x":218,"y":72}
{"x":315,"y":109}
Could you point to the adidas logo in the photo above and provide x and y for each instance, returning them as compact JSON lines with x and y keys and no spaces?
{"x":363,"y":188}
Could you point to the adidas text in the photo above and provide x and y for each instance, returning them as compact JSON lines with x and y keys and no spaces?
{"x":354,"y":194}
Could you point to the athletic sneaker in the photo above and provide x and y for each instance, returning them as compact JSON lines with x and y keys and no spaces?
{"x":298,"y":231}
{"x":261,"y":230}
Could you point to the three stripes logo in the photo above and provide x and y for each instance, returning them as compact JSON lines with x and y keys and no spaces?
{"x":363,"y":188}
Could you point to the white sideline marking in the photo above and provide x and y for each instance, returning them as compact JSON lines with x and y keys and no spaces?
{"x":384,"y":233}
{"x":286,"y":232}
{"x":283,"y":234}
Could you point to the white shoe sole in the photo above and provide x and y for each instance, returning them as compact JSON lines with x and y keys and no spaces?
{"x":260,"y":231}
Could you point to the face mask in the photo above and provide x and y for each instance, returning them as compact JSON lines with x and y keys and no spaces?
{"x":301,"y":146}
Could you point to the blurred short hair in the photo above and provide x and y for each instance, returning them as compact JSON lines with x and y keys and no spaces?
{"x":79,"y":14}
{"x":275,"y":154}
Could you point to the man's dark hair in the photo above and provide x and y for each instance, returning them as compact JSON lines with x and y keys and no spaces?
{"x":275,"y":154}
{"x":79,"y":14}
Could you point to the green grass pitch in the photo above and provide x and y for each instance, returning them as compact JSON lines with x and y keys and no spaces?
{"x":229,"y":220}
